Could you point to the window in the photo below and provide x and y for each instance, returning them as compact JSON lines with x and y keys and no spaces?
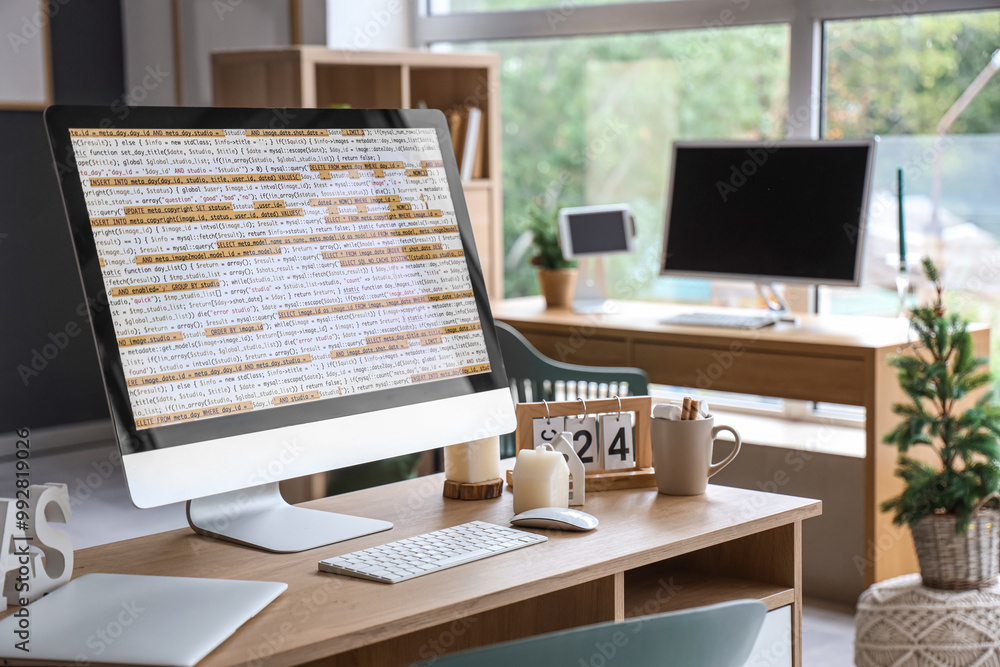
{"x":665,"y":70}
{"x":590,"y":120}
{"x":897,"y":77}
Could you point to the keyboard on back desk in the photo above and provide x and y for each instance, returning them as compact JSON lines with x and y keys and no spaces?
{"x":722,"y":320}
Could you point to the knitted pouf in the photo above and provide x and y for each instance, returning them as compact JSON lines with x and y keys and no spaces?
{"x":899,"y":622}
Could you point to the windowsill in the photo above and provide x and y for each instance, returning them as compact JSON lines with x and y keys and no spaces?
{"x":802,"y":435}
{"x":777,"y":431}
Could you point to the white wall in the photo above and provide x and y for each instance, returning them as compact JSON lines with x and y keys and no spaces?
{"x":225,"y":24}
{"x":374,"y":25}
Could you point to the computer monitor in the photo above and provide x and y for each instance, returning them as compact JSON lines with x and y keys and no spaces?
{"x":587,"y":233}
{"x":783,"y":211}
{"x":289,"y":291}
{"x":596,"y":230}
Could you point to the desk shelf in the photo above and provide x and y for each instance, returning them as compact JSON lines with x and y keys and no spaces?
{"x":665,"y":586}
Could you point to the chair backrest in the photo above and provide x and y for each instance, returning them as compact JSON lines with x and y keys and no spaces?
{"x":720,"y":635}
{"x":526,"y":365}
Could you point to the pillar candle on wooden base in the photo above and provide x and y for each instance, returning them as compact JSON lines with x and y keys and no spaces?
{"x":472,"y":470}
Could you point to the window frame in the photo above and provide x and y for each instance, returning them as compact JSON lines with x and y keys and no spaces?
{"x":805,"y":18}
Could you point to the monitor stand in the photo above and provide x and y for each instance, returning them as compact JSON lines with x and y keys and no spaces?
{"x":259,"y":517}
{"x":775,"y":303}
{"x":591,"y":286}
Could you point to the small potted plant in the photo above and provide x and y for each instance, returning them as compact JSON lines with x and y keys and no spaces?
{"x":945,"y":503}
{"x":556,"y":274}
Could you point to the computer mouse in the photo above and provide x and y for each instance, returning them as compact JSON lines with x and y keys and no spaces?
{"x":555,"y":518}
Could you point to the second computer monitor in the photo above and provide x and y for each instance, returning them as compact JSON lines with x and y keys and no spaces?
{"x":596,"y":230}
{"x":587,"y":233}
{"x":782,"y":211}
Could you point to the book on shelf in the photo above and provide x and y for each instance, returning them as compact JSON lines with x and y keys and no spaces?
{"x":470,"y":146}
{"x":455,"y":123}
{"x":468,"y":135}
{"x":478,"y":167}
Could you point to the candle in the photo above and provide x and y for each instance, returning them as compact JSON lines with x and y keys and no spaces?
{"x":541,"y":479}
{"x":902,"y":226}
{"x":471,"y":462}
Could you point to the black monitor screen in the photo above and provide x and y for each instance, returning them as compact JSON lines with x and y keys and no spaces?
{"x":768,"y":210}
{"x":597,"y":232}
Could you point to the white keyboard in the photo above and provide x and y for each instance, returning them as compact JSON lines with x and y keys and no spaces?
{"x":722,"y":320}
{"x":398,"y":561}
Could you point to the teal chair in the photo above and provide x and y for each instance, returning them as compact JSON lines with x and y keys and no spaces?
{"x":719,"y":635}
{"x":528,"y":369}
{"x":533,"y":376}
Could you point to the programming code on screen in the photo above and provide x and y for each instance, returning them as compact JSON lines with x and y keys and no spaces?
{"x":250,"y":269}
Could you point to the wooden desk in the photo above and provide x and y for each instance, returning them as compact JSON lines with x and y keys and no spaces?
{"x":651,"y":553}
{"x":836,"y":359}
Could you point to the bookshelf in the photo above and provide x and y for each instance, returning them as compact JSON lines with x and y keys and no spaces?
{"x":314,"y":76}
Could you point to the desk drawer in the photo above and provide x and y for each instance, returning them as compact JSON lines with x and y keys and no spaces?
{"x":829,"y":379}
{"x":579,"y":349}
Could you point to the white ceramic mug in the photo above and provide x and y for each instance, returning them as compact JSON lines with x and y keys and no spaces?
{"x":682,"y":454}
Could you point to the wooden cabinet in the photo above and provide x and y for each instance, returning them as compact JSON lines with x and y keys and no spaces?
{"x":312,"y":76}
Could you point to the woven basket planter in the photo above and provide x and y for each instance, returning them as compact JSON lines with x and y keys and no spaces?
{"x":954,"y":562}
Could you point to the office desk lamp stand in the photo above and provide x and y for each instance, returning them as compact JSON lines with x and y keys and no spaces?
{"x":591,"y":286}
{"x":586,"y":234}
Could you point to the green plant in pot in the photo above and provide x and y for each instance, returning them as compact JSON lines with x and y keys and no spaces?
{"x":945,"y":503}
{"x":556,"y":274}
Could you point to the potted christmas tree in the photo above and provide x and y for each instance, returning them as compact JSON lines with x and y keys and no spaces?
{"x":945,"y":503}
{"x":556,"y":274}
